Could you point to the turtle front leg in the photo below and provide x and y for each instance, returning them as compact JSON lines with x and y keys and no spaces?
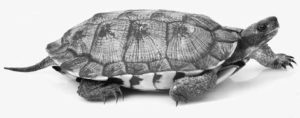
{"x":98,"y":91}
{"x":188,"y":87}
{"x":266,"y":57}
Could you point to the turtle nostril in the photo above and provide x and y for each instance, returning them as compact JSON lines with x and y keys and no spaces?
{"x":274,"y":21}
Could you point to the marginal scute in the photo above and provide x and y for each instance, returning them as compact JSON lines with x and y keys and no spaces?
{"x":226,"y":36}
{"x":54,"y":47}
{"x":167,"y":16}
{"x":144,"y":81}
{"x":126,"y":79}
{"x":108,"y":45}
{"x":222,"y":50}
{"x":91,"y":70}
{"x":63,"y":57}
{"x":137,"y":68}
{"x":206,"y":62}
{"x":57,"y":47}
{"x":190,"y":45}
{"x":181,"y":65}
{"x":75,"y":63}
{"x":165,"y":79}
{"x":160,"y":65}
{"x":114,"y":69}
{"x":135,"y":80}
{"x":146,"y":42}
{"x":200,"y":21}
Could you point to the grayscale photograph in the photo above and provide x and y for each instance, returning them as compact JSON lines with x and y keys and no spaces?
{"x":132,"y":58}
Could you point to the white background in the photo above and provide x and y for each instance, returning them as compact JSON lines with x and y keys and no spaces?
{"x":26,"y":26}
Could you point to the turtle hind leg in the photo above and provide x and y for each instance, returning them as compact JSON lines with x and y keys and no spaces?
{"x":43,"y":64}
{"x":188,"y":87}
{"x":98,"y":90}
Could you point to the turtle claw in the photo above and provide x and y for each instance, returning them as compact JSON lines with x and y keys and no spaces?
{"x":118,"y":93}
{"x":121,"y":94}
{"x":293,"y":61}
{"x":291,"y":57}
{"x":291,"y":65}
{"x":96,"y":91}
{"x":104,"y":100}
{"x":115,"y":94}
{"x":181,"y":99}
{"x":283,"y":60}
{"x":178,"y":95}
{"x":177,"y":102}
{"x":284,"y":66}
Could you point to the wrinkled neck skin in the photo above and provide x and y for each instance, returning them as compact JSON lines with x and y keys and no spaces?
{"x":244,"y":49}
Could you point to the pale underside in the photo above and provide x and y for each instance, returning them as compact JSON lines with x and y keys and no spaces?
{"x":142,"y":45}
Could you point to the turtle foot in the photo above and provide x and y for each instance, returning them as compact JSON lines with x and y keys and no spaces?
{"x":98,"y":91}
{"x":282,"y":61}
{"x":178,"y":94}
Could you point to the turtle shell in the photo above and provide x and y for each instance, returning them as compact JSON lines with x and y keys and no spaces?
{"x":137,"y":42}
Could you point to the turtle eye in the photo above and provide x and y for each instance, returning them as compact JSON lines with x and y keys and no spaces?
{"x":261,"y":27}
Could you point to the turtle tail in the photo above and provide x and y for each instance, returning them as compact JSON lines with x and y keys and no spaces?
{"x":43,"y":64}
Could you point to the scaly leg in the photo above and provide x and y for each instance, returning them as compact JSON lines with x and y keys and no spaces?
{"x":266,"y":57}
{"x":98,"y":91}
{"x":188,"y":87}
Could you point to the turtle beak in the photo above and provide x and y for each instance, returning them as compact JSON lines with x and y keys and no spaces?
{"x":273,"y":22}
{"x":273,"y":27}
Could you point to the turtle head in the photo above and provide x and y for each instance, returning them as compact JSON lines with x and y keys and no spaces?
{"x":255,"y":36}
{"x":261,"y":32}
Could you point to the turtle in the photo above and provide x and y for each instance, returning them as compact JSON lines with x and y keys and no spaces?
{"x":186,"y":54}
